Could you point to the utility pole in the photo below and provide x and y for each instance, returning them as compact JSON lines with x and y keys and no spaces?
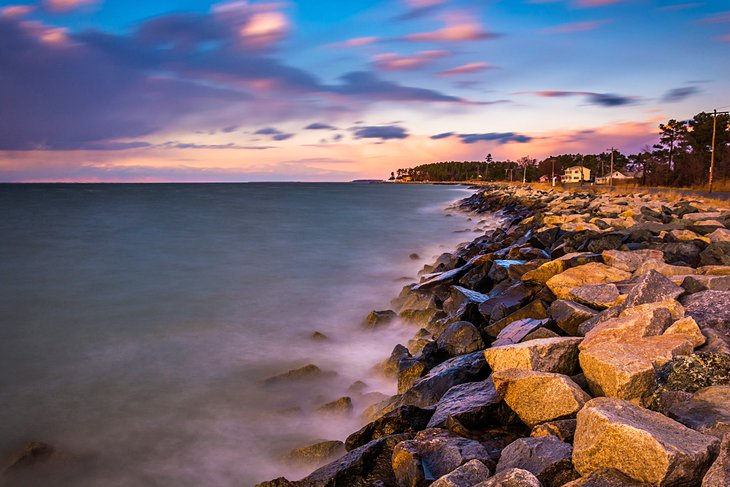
{"x":524,"y":175}
{"x":610,"y":176}
{"x":714,"y":134}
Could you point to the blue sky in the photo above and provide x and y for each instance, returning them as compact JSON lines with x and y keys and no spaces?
{"x":199,"y":90}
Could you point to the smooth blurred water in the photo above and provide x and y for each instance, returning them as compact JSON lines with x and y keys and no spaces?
{"x":137,"y":321}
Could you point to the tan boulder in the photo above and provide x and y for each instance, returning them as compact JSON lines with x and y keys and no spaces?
{"x":583,"y":275}
{"x":642,"y":444}
{"x":628,"y":328}
{"x":630,"y":260}
{"x":664,"y":269}
{"x":714,"y":270}
{"x":559,"y":355}
{"x":720,"y":235}
{"x":687,"y":235}
{"x":688,"y":328}
{"x":675,"y":309}
{"x":538,"y":397}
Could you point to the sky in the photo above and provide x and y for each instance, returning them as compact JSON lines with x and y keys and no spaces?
{"x":197,"y":90}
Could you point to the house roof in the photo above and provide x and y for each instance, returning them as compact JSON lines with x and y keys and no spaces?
{"x":577,"y":167}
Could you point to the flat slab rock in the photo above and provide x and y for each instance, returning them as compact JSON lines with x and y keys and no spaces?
{"x":559,"y":355}
{"x":583,"y":275}
{"x":707,"y":411}
{"x":642,"y":444}
{"x":546,"y":457}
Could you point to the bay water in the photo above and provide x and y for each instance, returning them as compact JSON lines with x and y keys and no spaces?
{"x":138,"y":321}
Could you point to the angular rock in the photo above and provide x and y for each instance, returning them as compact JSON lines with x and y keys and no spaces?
{"x":316,"y":453}
{"x":707,"y":411}
{"x":695,"y":284}
{"x":598,"y":296}
{"x":500,"y":269}
{"x":535,"y":309}
{"x":431,"y":454}
{"x":379,"y":318}
{"x":717,"y":253}
{"x":404,"y":419}
{"x":666,"y":270}
{"x":308,"y":372}
{"x":563,"y":429}
{"x":390,"y":366}
{"x":342,"y":405}
{"x":710,"y":309}
{"x":650,"y":288}
{"x":469,"y":474}
{"x":539,"y":334}
{"x":642,"y":444}
{"x":628,"y":328}
{"x":587,"y":274}
{"x":464,"y":303}
{"x":568,"y":315}
{"x":516,"y":331}
{"x":474,"y":405}
{"x":557,"y":355}
{"x":514,"y":477}
{"x":605,"y":478}
{"x":460,"y":338}
{"x":546,"y":457}
{"x":506,"y":302}
{"x":410,"y":370}
{"x":719,"y":472}
{"x":687,"y":328}
{"x":538,"y":397}
{"x":429,"y":389}
{"x":629,"y":261}
{"x":720,"y":235}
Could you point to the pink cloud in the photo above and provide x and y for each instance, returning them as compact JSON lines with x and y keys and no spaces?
{"x":264,"y":28}
{"x":395,"y":62}
{"x":718,"y":18}
{"x":578,"y":26}
{"x":356,"y":42}
{"x":424,"y":3}
{"x":66,"y":5}
{"x":725,"y":38}
{"x":595,"y":3}
{"x":456,"y":30}
{"x":467,"y":69}
{"x":45,"y":33}
{"x":16,"y":10}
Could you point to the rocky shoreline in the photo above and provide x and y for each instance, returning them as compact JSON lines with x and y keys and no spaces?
{"x":584,"y":343}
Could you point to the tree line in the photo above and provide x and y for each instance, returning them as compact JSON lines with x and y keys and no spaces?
{"x":681,"y":157}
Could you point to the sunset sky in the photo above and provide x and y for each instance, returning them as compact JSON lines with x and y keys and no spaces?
{"x":308,"y":90}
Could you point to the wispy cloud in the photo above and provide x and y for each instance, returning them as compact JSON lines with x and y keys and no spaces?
{"x":382,"y":132}
{"x":679,"y":94}
{"x":396,"y":62}
{"x":718,"y":18}
{"x":66,"y":5}
{"x":356,"y":42}
{"x":16,"y":10}
{"x":275,"y":134}
{"x":681,"y":6}
{"x":595,"y":3}
{"x":469,"y":68}
{"x":601,"y":99}
{"x":319,"y":126}
{"x":578,"y":26}
{"x":458,"y":28}
{"x":499,"y":137}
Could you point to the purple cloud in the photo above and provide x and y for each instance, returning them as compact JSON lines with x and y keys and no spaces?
{"x":499,"y":137}
{"x":319,"y":126}
{"x":382,"y":132}
{"x":679,"y":94}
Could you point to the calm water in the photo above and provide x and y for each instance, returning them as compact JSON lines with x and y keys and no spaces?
{"x":137,"y":321}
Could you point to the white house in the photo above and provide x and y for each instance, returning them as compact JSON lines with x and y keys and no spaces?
{"x":618,"y":177}
{"x":576,"y":174}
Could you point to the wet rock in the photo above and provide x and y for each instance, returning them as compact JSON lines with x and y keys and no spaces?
{"x":719,"y":472}
{"x":707,"y":411}
{"x":357,"y":387}
{"x":538,"y":397}
{"x":539,"y":334}
{"x":342,"y":405}
{"x":358,"y":468}
{"x":559,"y":355}
{"x":533,"y":310}
{"x":429,"y":389}
{"x":642,"y":444}
{"x":379,"y":318}
{"x":431,"y":454}
{"x":403,"y":419}
{"x":587,"y":274}
{"x":598,"y":296}
{"x":477,"y":278}
{"x":563,"y":429}
{"x":469,"y":474}
{"x":464,"y":303}
{"x":650,"y":288}
{"x":508,"y":301}
{"x":32,"y":454}
{"x":409,"y":371}
{"x":308,"y":372}
{"x":500,"y":269}
{"x":605,"y":478}
{"x":568,"y":315}
{"x":390,"y":366}
{"x":516,"y":331}
{"x":316,"y":453}
{"x":460,"y":338}
{"x":474,"y":405}
{"x":514,"y":477}
{"x":546,"y":457}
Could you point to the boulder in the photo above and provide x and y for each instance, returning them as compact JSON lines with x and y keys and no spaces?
{"x":535,"y":309}
{"x":717,"y":253}
{"x":431,"y":454}
{"x":316,"y":453}
{"x":464,"y":303}
{"x":543,"y":273}
{"x":506,"y":302}
{"x":720,"y":235}
{"x":516,"y":331}
{"x":605,"y":478}
{"x":642,"y":444}
{"x":628,"y":328}
{"x":546,"y":457}
{"x":707,"y":411}
{"x":598,"y":296}
{"x":308,"y":372}
{"x":342,"y":405}
{"x":429,"y":389}
{"x":379,"y":318}
{"x":626,"y":370}
{"x":390,"y":366}
{"x":474,"y":405}
{"x":409,"y":371}
{"x":540,"y":333}
{"x":514,"y":477}
{"x":469,"y":474}
{"x":695,"y":283}
{"x":557,"y":355}
{"x":719,"y":472}
{"x":403,"y":419}
{"x":568,"y":315}
{"x":710,"y":309}
{"x":687,"y":328}
{"x":460,"y":338}
{"x":592,"y":273}
{"x":675,"y":309}
{"x":538,"y":397}
{"x":650,"y":288}
{"x":564,"y":429}
{"x":629,"y":261}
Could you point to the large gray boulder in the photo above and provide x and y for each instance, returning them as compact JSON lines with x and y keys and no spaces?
{"x":546,"y":457}
{"x":473,"y":405}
